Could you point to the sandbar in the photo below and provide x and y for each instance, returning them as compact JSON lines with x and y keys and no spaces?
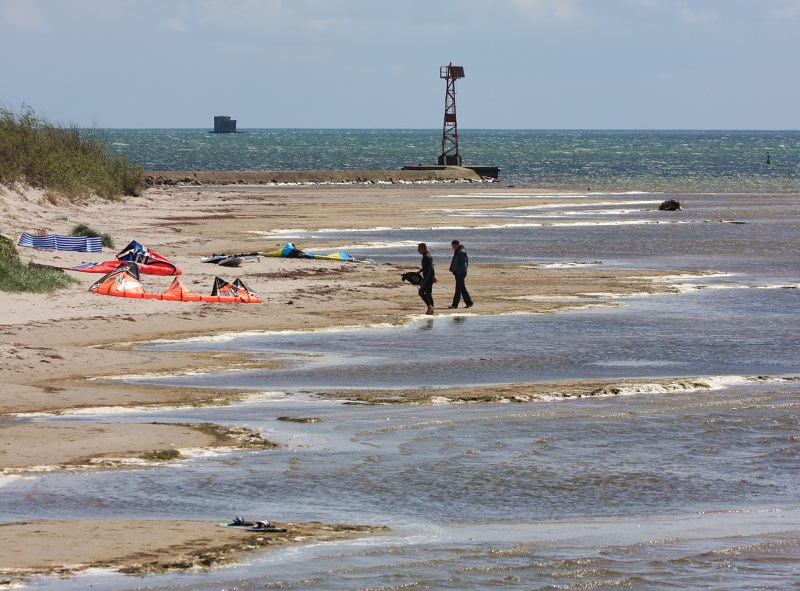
{"x":140,"y":547}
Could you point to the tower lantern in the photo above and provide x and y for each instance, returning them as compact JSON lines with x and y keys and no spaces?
{"x":450,"y":155}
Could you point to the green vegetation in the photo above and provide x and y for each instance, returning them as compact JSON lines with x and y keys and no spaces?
{"x":162,"y":455}
{"x":17,"y":277}
{"x":68,"y":160}
{"x":84,"y":230}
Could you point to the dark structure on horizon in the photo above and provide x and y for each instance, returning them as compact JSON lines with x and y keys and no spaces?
{"x":450,"y":155}
{"x":224,"y":124}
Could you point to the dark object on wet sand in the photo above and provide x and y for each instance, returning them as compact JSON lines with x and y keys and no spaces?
{"x":412,"y":277}
{"x":670,"y":205}
{"x":242,"y":523}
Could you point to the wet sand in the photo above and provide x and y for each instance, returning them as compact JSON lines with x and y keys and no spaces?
{"x":451,"y":174}
{"x":145,"y":546}
{"x":58,"y":348}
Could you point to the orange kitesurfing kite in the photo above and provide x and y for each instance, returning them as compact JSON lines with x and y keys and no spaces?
{"x":124,"y":282}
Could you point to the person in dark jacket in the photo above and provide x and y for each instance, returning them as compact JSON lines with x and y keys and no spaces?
{"x":428,"y":277}
{"x":458,"y":267}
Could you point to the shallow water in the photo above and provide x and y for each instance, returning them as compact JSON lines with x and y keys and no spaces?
{"x":647,"y":491}
{"x":734,"y":233}
{"x":695,"y":490}
{"x":740,"y":322}
{"x":693,"y":334}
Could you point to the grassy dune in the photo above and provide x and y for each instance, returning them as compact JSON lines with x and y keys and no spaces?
{"x":15,"y":276}
{"x":67,"y":160}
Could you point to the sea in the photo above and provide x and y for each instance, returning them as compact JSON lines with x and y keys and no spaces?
{"x":688,"y":481}
{"x":706,"y":161}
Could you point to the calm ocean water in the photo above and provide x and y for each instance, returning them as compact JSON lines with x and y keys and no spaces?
{"x":617,"y":160}
{"x":660,"y":490}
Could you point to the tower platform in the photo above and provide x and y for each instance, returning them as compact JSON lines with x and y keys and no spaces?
{"x":491,"y":172}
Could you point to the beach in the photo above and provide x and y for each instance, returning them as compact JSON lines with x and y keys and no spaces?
{"x":59,"y":349}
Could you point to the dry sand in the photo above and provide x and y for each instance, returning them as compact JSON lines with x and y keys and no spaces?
{"x":58,"y":348}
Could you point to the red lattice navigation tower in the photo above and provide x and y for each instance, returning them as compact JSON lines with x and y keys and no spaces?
{"x":450,"y":155}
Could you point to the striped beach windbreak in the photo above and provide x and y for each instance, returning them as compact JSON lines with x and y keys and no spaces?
{"x":57,"y":242}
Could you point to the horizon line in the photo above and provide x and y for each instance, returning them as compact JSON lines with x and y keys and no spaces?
{"x":438,"y":130}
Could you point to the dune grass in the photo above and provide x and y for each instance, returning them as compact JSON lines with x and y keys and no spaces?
{"x":68,"y":160}
{"x":84,"y":230}
{"x":18,"y":277}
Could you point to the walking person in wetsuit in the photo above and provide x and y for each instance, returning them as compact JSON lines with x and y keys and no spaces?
{"x":428,"y":277}
{"x":458,"y":267}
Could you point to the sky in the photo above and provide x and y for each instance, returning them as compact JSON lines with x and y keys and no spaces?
{"x":529,"y":64}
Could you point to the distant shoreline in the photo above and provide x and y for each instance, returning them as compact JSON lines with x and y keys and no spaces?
{"x":450,"y":174}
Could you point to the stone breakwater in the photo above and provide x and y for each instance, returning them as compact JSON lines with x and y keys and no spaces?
{"x":450,"y":174}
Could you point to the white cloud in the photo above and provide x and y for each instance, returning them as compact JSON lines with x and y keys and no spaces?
{"x":321,"y":24}
{"x":242,"y":13}
{"x":683,"y":10}
{"x":547,"y":10}
{"x":175,"y":25}
{"x":20,"y":14}
{"x":789,"y":10}
{"x":269,"y":15}
{"x":692,"y":16}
